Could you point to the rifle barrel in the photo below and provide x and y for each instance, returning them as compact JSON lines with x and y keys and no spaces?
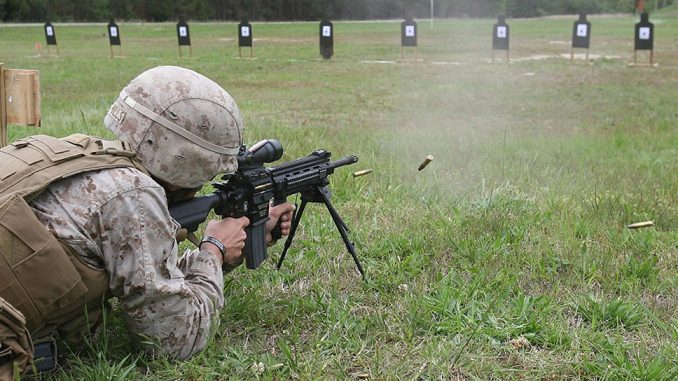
{"x":345,"y":161}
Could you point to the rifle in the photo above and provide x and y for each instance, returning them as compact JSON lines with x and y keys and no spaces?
{"x":249,"y":190}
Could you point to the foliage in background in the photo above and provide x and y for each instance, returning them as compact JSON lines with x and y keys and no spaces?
{"x":162,"y":10}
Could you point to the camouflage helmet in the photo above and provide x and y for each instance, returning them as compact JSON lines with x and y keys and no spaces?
{"x":184,"y":127}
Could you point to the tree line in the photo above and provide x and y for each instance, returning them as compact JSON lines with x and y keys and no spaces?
{"x":308,"y":10}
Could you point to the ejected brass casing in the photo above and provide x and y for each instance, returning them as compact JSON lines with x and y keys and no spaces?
{"x":638,"y":225}
{"x":428,"y":159}
{"x":362,"y":173}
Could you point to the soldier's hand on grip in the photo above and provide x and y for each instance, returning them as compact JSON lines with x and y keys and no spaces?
{"x":231,"y":233}
{"x":282,"y":213}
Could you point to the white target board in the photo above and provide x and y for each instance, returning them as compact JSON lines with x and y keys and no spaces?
{"x":409,"y":31}
{"x":245,"y":31}
{"x":501,"y":32}
{"x":582,"y":30}
{"x":644,"y":33}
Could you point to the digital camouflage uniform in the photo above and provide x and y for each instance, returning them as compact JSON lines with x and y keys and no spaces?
{"x":111,"y":220}
{"x":118,"y":220}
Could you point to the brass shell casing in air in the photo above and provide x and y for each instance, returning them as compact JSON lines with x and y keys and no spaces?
{"x":428,"y":159}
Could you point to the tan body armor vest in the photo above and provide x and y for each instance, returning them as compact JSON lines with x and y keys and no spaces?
{"x":43,"y":279}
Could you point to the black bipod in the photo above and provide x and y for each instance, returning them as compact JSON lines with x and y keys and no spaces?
{"x":320,"y":194}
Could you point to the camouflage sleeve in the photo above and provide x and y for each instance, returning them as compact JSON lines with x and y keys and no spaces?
{"x":174,"y":310}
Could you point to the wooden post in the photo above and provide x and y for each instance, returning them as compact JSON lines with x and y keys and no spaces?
{"x":3,"y":111}
{"x":19,"y":100}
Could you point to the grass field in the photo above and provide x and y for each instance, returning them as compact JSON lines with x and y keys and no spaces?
{"x":507,"y":258}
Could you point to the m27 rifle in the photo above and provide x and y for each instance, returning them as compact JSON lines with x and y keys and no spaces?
{"x":249,"y":190}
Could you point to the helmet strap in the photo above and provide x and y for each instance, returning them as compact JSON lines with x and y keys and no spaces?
{"x":176,"y":128}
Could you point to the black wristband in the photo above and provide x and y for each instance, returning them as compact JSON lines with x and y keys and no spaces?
{"x":216,"y":243}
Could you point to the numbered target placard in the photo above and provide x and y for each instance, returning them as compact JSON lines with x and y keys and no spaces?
{"x":644,"y":37}
{"x":244,"y":34}
{"x":408,"y":33}
{"x":581,"y":33}
{"x":326,"y":39}
{"x":183,"y":34}
{"x":50,"y":34}
{"x":500,"y":35}
{"x":113,"y":33}
{"x":501,"y":32}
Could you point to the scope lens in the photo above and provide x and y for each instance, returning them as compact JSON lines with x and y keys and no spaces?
{"x":266,"y":151}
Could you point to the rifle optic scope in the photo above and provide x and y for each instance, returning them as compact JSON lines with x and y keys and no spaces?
{"x":264,"y":151}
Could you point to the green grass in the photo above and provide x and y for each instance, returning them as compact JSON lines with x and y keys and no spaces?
{"x":507,"y":257}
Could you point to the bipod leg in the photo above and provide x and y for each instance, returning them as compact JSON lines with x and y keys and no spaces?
{"x":341,"y":226}
{"x":293,"y":230}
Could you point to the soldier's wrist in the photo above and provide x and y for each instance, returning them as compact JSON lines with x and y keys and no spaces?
{"x":214,"y":246}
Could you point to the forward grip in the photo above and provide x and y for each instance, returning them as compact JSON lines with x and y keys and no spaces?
{"x":255,"y":244}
